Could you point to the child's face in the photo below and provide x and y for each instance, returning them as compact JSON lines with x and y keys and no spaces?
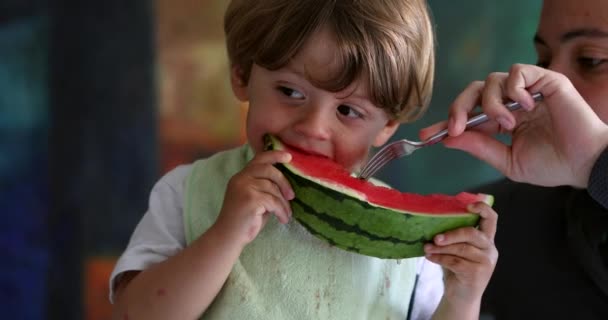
{"x":341,"y":126}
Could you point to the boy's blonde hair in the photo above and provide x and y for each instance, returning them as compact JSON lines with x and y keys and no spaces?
{"x":389,"y":41}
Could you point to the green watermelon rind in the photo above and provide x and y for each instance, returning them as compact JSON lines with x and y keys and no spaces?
{"x":354,"y":225}
{"x":488,"y":199}
{"x":341,"y":218}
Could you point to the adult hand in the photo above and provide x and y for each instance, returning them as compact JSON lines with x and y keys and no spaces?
{"x":555,"y":142}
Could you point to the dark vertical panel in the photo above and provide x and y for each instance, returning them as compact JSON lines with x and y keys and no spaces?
{"x":103,"y":135}
{"x":23,"y":158}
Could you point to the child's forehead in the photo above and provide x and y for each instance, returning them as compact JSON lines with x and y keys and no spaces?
{"x":319,"y":54}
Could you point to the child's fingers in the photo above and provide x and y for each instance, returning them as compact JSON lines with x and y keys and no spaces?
{"x":456,"y":264}
{"x":274,"y":203}
{"x":463,"y":251}
{"x":271,"y":173}
{"x":453,"y":263}
{"x":270,"y":187}
{"x":489,"y":219}
{"x":467,"y":235}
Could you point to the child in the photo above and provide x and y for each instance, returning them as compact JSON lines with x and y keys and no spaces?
{"x":331,"y":78}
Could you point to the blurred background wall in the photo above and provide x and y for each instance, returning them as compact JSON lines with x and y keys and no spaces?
{"x":98,"y":99}
{"x":24,"y":120}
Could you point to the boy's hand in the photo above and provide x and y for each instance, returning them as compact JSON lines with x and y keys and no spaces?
{"x":254,"y":193}
{"x":468,"y":256}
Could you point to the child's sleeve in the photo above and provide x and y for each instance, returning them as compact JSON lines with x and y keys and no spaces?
{"x":160,"y":233}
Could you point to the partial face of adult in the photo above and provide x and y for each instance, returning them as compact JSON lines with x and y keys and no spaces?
{"x":572,"y":38}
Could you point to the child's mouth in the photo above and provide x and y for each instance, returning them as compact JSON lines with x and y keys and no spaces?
{"x":304,"y":151}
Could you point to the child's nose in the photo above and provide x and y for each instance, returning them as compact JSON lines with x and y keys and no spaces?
{"x":314,"y":124}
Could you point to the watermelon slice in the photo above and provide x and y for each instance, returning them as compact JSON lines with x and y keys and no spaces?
{"x":359,"y":216}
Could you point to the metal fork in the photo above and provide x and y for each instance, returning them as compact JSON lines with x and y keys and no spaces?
{"x":404,"y":147}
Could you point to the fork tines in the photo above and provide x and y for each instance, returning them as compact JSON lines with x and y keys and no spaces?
{"x":377,"y":161}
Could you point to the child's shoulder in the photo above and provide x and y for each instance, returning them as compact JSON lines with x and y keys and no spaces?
{"x":179,"y":173}
{"x":224,"y":160}
{"x":172,"y":183}
{"x":176,"y":177}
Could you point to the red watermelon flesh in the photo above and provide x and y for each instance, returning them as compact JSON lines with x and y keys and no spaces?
{"x":334,"y":176}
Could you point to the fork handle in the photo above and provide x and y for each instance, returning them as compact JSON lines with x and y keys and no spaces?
{"x":478,"y":119}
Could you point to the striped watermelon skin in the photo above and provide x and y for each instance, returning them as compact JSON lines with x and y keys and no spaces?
{"x":357,"y":226}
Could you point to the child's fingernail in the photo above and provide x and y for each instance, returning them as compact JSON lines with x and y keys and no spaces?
{"x":474,"y":208}
{"x":439,"y":238}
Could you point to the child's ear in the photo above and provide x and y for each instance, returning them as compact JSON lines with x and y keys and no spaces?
{"x":239,"y":86}
{"x":386,"y":133}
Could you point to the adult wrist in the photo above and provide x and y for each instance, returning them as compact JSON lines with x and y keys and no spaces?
{"x":598,"y":180}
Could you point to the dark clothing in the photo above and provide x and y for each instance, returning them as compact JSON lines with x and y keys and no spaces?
{"x":552,"y":254}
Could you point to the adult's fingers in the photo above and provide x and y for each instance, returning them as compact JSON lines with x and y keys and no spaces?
{"x":520,"y":83}
{"x":493,"y":100}
{"x":462,"y":106}
{"x":427,"y":132}
{"x":564,"y":103}
{"x":484,"y":147}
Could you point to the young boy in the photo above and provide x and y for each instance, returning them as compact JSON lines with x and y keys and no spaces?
{"x":331,"y":78}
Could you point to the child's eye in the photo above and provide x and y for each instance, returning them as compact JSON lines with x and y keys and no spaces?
{"x":349,"y":111}
{"x":291,"y":93}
